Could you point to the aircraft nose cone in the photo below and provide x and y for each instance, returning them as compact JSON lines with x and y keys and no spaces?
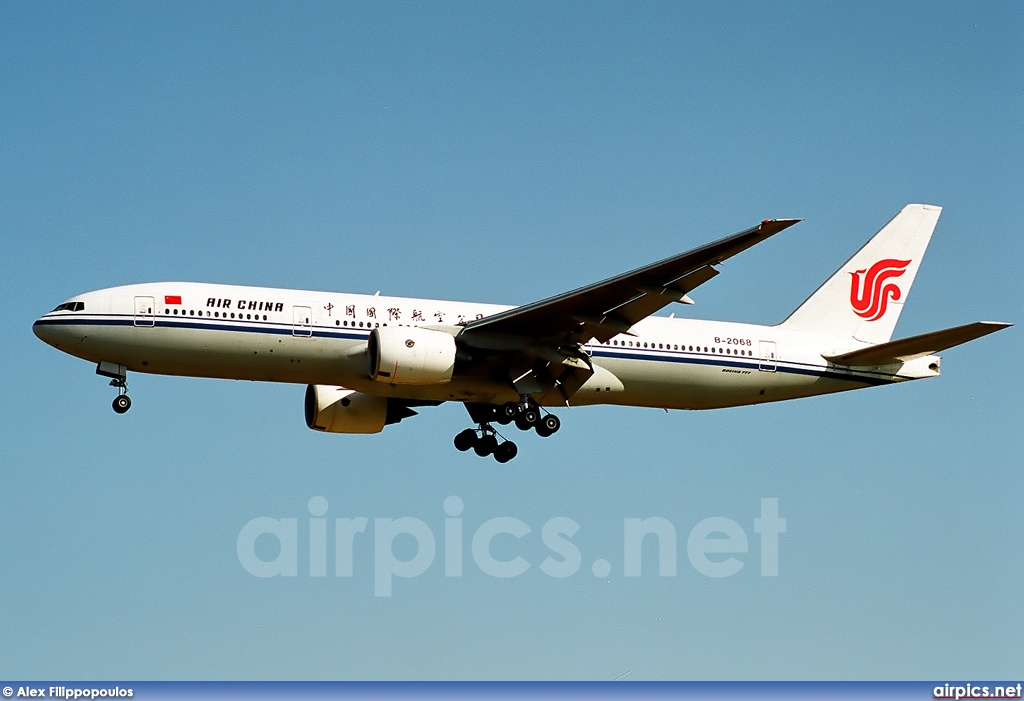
{"x":44,"y":332}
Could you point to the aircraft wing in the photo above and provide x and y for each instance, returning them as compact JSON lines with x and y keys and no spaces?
{"x":610,"y":307}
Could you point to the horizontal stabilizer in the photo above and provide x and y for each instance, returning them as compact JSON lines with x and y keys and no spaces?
{"x":916,"y":346}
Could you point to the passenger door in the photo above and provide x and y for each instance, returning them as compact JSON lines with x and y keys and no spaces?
{"x":769,"y":360}
{"x":144,"y":311}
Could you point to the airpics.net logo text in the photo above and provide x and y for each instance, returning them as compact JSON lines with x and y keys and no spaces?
{"x":713,"y":546}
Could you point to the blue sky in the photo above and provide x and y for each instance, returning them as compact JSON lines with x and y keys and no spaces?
{"x":502,"y":153}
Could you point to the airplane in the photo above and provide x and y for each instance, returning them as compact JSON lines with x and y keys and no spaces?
{"x":369,"y":360}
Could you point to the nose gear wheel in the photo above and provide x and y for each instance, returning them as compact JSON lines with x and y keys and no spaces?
{"x":119,"y":379}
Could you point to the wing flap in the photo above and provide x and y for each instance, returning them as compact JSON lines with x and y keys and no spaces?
{"x":916,"y":346}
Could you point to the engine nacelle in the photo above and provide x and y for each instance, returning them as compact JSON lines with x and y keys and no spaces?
{"x":408,"y":355}
{"x":341,"y":410}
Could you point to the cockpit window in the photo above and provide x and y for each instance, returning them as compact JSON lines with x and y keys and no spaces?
{"x":70,"y":307}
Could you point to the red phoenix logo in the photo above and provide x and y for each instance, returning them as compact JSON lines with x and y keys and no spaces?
{"x":869,"y":293}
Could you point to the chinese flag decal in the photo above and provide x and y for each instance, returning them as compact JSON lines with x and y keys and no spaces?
{"x":172,"y":299}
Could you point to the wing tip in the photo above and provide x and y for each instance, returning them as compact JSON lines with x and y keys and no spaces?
{"x":777,"y":225}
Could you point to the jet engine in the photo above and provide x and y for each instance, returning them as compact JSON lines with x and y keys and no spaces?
{"x":342,"y":410}
{"x":408,"y":355}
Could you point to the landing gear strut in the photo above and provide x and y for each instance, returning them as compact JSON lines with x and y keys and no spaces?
{"x":119,"y":378}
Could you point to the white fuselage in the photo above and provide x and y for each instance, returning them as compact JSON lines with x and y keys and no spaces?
{"x":320,"y":338}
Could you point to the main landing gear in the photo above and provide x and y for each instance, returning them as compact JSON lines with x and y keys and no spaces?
{"x":484,"y":439}
{"x":118,"y":375}
{"x":526,"y":415}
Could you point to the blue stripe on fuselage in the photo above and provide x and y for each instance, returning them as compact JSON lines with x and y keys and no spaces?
{"x":789,"y":367}
{"x":267,"y":327}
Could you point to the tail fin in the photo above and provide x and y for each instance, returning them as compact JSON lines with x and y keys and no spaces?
{"x":864,"y":298}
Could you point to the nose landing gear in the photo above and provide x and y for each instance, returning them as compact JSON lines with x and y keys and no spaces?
{"x":119,"y":378}
{"x":122,"y":402}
